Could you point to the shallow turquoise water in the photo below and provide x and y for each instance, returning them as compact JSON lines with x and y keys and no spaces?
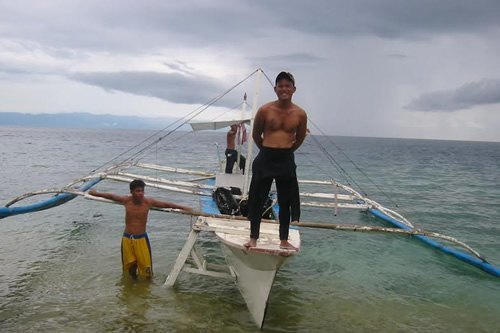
{"x":61,"y":269}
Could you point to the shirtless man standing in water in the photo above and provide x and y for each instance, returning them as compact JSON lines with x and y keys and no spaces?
{"x":136,"y":250}
{"x":279,"y":129}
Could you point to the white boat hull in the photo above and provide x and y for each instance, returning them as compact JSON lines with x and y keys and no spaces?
{"x":254,"y":268}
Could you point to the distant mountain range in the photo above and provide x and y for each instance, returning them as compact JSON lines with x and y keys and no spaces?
{"x":81,"y":120}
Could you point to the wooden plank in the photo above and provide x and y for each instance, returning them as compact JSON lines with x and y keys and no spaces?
{"x":181,"y":259}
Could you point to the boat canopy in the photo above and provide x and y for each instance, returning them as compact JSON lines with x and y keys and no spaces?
{"x":215,"y":125}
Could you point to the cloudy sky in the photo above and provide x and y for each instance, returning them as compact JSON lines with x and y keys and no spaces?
{"x":383,"y":68}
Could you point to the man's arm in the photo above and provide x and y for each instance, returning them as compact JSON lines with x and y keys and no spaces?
{"x":258,"y":127}
{"x":167,"y":204}
{"x":301,"y":132}
{"x":110,"y":196}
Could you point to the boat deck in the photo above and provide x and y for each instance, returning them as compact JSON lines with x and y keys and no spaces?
{"x":235,"y":233}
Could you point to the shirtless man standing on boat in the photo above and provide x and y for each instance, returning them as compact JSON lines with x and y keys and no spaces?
{"x":279,"y":129}
{"x":136,"y":250}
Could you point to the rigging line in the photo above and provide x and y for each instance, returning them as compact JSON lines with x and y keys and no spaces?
{"x":151,"y":136}
{"x":357,"y":168}
{"x":213,"y":119}
{"x":135,"y":146}
{"x":201,"y":108}
{"x":268,"y":79}
{"x":317,"y":165}
{"x":156,"y":134}
{"x":349,"y":179}
{"x":192,"y":115}
{"x":336,"y":146}
{"x":332,"y":160}
{"x":188,"y":117}
{"x":177,"y":138}
{"x":228,"y":110}
{"x":339,"y":168}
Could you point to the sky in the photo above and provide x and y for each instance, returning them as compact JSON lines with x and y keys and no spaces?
{"x":374,"y":68}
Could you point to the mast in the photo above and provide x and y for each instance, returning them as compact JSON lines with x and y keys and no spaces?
{"x":250,"y":138}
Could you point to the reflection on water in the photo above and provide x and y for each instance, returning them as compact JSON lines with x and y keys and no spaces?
{"x":134,"y":295}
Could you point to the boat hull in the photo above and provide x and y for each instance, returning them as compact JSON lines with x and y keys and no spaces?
{"x":254,"y":283}
{"x":255,"y":269}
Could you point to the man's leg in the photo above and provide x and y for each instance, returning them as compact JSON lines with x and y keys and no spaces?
{"x":257,"y":195}
{"x":144,"y":258}
{"x":243,"y":161}
{"x":129,"y":261}
{"x":284,"y":187}
{"x":133,"y":270}
{"x":230,"y":160}
{"x":295,"y":202}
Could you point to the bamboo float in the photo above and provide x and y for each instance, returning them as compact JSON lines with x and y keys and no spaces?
{"x":334,"y":226}
{"x":316,"y":225}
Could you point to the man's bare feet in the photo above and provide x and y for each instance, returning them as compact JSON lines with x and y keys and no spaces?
{"x":251,"y":243}
{"x":285,"y":245}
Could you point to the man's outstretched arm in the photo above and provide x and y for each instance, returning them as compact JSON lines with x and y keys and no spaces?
{"x":167,"y":204}
{"x":110,"y":196}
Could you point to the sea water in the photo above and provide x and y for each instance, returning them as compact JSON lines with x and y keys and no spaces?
{"x":61,"y":269}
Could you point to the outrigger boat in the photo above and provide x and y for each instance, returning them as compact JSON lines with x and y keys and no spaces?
{"x":222,"y":212}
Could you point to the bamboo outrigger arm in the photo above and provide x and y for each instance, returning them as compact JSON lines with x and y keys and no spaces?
{"x":333,"y":226}
{"x":403,"y":225}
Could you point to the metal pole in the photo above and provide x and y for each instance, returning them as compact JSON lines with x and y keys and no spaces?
{"x":250,"y":139}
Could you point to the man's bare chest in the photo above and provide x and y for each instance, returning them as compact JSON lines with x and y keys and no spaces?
{"x":137,"y":211}
{"x":282,"y":121}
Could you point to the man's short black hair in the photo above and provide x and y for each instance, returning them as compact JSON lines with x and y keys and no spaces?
{"x":136,"y":183}
{"x":285,"y":76}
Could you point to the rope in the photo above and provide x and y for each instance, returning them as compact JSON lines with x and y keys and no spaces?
{"x":332,"y":159}
{"x":182,"y":121}
{"x":189,"y":117}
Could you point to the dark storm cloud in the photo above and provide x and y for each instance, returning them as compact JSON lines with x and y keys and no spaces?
{"x":397,"y":56}
{"x":485,"y":91}
{"x":8,"y":69}
{"x":172,"y":87}
{"x":133,"y":25}
{"x":295,"y":59}
{"x":388,"y":18}
{"x":127,"y":25}
{"x":180,"y":66}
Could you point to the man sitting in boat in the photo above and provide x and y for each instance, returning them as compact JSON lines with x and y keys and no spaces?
{"x":279,"y":129}
{"x":136,"y":250}
{"x":231,"y":152}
